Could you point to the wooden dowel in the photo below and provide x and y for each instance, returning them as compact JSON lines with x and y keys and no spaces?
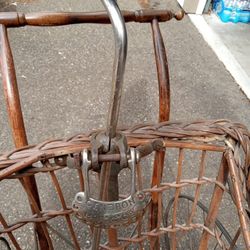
{"x":16,"y":19}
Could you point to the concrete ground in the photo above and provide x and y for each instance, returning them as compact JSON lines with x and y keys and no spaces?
{"x":231,"y":43}
{"x":236,"y":37}
{"x":64,"y":76}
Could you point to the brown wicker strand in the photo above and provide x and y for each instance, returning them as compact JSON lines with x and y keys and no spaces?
{"x":10,"y":234}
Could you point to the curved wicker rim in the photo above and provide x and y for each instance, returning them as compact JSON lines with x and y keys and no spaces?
{"x":210,"y":134}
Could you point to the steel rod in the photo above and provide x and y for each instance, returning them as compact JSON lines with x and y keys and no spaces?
{"x":108,"y":169}
{"x":120,"y":35}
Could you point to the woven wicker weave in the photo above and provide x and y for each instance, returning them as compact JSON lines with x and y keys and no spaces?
{"x":203,"y":136}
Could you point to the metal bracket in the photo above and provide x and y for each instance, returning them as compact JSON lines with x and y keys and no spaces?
{"x":106,"y":214}
{"x":100,"y":144}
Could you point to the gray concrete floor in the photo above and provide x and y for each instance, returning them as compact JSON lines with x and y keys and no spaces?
{"x":230,"y":42}
{"x":64,"y":76}
{"x":236,"y":38}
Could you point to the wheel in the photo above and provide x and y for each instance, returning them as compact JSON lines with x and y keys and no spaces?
{"x":190,"y":239}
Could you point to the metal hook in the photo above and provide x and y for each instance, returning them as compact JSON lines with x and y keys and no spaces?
{"x":120,"y":35}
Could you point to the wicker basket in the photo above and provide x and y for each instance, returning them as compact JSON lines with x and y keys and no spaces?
{"x":199,"y":181}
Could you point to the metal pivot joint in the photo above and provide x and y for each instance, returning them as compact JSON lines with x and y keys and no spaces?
{"x":106,"y":214}
{"x":100,"y":144}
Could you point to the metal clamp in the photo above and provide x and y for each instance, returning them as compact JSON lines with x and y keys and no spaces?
{"x":106,"y":214}
{"x":100,"y":144}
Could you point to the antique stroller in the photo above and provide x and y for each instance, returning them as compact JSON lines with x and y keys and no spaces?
{"x":179,"y":206}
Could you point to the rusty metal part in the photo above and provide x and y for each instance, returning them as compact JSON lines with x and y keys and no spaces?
{"x":147,"y":149}
{"x":119,"y":144}
{"x":16,"y":19}
{"x":100,"y":145}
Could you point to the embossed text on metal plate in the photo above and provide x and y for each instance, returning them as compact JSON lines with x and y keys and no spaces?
{"x":110,"y":214}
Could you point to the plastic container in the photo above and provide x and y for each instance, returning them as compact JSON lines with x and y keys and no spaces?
{"x":233,"y":10}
